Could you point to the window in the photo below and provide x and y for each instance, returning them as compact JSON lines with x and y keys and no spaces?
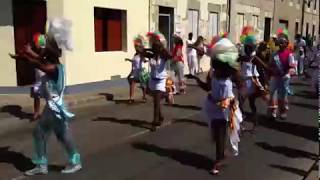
{"x":240,"y":24}
{"x":255,"y":21}
{"x":307,"y":29}
{"x":193,"y":21}
{"x":110,"y":29}
{"x":315,"y":5}
{"x":213,"y":24}
{"x":283,"y":24}
{"x":313,"y":30}
{"x":296,"y":29}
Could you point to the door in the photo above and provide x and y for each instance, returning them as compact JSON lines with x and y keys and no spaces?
{"x":29,"y":18}
{"x":193,"y":22}
{"x":267,"y":28}
{"x":166,"y":24}
{"x":213,"y":24}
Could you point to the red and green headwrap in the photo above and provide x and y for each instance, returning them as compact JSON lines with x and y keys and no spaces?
{"x":248,"y":36}
{"x":39,"y":40}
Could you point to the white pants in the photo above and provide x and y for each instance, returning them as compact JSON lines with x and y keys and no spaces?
{"x":192,"y":64}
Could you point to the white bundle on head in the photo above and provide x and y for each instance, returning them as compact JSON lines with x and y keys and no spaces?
{"x":60,"y":29}
{"x":225,"y":51}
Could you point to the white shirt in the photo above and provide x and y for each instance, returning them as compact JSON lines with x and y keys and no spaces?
{"x":300,"y":46}
{"x":136,"y":65}
{"x":191,"y":51}
{"x":249,"y":70}
{"x":158,"y":68}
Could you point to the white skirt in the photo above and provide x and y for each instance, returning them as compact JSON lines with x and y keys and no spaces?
{"x":157,"y":85}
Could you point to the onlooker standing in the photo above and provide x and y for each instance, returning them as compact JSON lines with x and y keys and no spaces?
{"x":200,"y":48}
{"x":300,"y":53}
{"x":191,"y":56}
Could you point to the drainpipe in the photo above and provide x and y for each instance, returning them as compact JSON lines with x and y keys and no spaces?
{"x":229,"y":15}
{"x":149,"y":13}
{"x":302,"y":17}
{"x":274,"y":14}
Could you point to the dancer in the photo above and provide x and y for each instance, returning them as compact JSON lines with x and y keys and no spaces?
{"x":137,"y":69}
{"x":191,"y":56}
{"x":178,"y":63}
{"x":55,"y":116}
{"x":253,"y":88}
{"x":38,"y":44}
{"x":157,"y":84}
{"x":282,"y":66}
{"x":221,"y":109}
{"x":200,"y":48}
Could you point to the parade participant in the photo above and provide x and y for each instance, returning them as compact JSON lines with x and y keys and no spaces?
{"x":191,"y":56}
{"x":38,"y":45}
{"x":137,"y":69}
{"x":178,"y":62}
{"x":55,"y":116}
{"x":201,"y":49}
{"x":252,"y":88}
{"x":157,"y":83}
{"x":300,"y":53}
{"x":264,"y":53}
{"x":220,"y":108}
{"x":282,"y":66}
{"x":315,"y":65}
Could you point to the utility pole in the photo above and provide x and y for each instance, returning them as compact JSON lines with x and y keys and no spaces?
{"x":229,"y":15}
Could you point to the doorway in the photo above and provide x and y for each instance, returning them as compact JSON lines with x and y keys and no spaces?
{"x":29,"y":17}
{"x":267,"y":28}
{"x":166,"y":24}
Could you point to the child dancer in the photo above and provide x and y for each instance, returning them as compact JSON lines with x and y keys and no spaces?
{"x":253,"y":88}
{"x":157,"y":82}
{"x":282,"y":66}
{"x":136,"y":69}
{"x":55,"y":116}
{"x":221,"y":107}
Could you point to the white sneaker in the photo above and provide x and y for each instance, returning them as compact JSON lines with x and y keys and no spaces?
{"x":72,"y":168}
{"x":38,"y":170}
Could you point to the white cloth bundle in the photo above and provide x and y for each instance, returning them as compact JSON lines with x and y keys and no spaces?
{"x":60,"y":29}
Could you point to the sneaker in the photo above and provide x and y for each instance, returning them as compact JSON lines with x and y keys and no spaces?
{"x":283,"y":116}
{"x":72,"y":168}
{"x":38,"y":170}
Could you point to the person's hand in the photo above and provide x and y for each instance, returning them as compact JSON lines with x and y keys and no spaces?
{"x":27,"y":49}
{"x":13,"y":56}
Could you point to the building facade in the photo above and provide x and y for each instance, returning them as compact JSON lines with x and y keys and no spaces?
{"x":258,"y":14}
{"x":103,"y":30}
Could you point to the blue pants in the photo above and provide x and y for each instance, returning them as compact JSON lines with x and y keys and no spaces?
{"x":48,"y":123}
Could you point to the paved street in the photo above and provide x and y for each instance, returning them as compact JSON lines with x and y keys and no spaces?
{"x":116,"y":143}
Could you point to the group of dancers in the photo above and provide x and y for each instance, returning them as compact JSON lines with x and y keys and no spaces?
{"x":249,"y":69}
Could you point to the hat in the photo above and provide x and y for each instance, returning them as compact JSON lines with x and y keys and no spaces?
{"x":157,"y":36}
{"x":140,"y":39}
{"x":248,"y":36}
{"x":39,"y":40}
{"x":225,"y":51}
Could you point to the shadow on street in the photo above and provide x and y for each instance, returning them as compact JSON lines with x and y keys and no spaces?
{"x":131,"y":122}
{"x":16,"y":111}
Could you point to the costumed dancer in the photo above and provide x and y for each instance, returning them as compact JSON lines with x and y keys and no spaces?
{"x":300,"y":47}
{"x":159,"y":56}
{"x":138,"y":73}
{"x":191,"y":56}
{"x":282,"y":67}
{"x":221,"y":107}
{"x":178,"y":62}
{"x":252,"y":88}
{"x":38,"y":45}
{"x":55,"y":116}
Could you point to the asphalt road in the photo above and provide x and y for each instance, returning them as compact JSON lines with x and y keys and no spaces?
{"x":116,"y":144}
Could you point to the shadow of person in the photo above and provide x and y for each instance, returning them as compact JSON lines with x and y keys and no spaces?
{"x":286,"y":151}
{"x":300,"y":130}
{"x":303,"y":105}
{"x":190,"y":121}
{"x":18,"y":160}
{"x":191,"y":107}
{"x":290,"y":169}
{"x":16,"y":111}
{"x":131,"y":122}
{"x":184,"y":157}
